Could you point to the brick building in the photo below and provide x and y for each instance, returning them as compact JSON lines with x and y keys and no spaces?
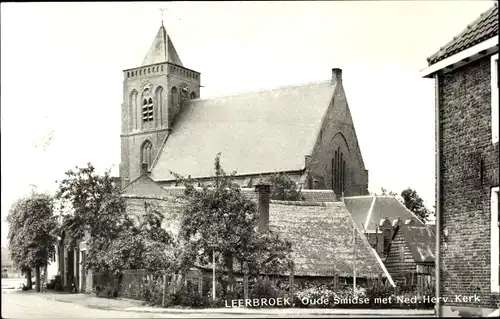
{"x":304,"y":130}
{"x":465,"y":71}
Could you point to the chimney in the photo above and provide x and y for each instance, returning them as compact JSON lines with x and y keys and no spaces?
{"x":336,"y":76}
{"x":144,"y":168}
{"x":263,"y":197}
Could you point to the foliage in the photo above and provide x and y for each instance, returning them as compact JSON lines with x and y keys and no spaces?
{"x":263,"y":289}
{"x":152,"y":291}
{"x":284,"y":188}
{"x":94,"y":202}
{"x":116,"y":240}
{"x":219,"y":218}
{"x":385,"y":192}
{"x":32,"y":227}
{"x":414,"y":203}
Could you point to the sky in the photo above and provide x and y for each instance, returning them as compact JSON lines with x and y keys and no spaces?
{"x":62,"y":80}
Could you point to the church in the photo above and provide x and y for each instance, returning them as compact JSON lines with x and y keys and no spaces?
{"x":305,"y":130}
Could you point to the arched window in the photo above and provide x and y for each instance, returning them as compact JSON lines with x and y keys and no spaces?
{"x":338,"y":172}
{"x":147,"y":110}
{"x":146,"y":153}
{"x":193,"y":95}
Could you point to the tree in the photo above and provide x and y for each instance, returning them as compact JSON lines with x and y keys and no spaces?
{"x":219,"y":219}
{"x":116,"y":240}
{"x":284,"y":188}
{"x":32,"y":227}
{"x":414,"y":203}
{"x":94,"y":205}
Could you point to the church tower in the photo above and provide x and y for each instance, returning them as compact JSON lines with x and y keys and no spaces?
{"x":152,"y":97}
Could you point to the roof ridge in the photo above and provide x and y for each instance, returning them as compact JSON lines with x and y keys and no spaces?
{"x":258,"y":91}
{"x":459,"y":34}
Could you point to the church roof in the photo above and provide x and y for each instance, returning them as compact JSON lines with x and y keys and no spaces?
{"x":162,"y":50}
{"x":256,"y":132}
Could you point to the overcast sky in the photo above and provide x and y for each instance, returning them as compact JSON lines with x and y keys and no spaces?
{"x":61,"y":75}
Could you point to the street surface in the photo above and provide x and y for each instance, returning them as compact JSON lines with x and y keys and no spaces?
{"x":31,"y":305}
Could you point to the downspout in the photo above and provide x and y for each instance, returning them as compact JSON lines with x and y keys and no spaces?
{"x":438,"y":196}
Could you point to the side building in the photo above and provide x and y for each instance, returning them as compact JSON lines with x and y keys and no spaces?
{"x":465,"y":72}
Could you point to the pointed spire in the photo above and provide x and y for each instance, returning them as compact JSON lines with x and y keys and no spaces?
{"x":162,"y":49}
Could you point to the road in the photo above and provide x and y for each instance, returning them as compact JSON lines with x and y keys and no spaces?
{"x":16,"y":305}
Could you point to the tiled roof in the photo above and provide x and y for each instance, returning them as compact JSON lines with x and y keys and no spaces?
{"x":384,"y":207}
{"x":162,"y":50}
{"x":144,"y":186}
{"x":483,"y":28}
{"x":256,"y":132}
{"x":421,"y":241}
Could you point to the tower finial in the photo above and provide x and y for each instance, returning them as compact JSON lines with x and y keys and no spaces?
{"x":162,"y":10}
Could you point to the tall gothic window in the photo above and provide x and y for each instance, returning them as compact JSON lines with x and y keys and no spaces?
{"x":147,"y":153}
{"x":338,"y":172}
{"x":147,"y":110}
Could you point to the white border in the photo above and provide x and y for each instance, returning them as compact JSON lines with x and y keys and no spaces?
{"x":495,"y":280}
{"x":491,"y":42}
{"x":494,"y":98}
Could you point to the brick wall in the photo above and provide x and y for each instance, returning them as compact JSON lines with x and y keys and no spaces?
{"x":171,"y":208}
{"x":338,"y":131}
{"x":469,"y":168}
{"x":134,"y":132}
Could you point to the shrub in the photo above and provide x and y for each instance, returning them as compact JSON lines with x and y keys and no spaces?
{"x":187,"y":298}
{"x":152,"y":292}
{"x":315,"y":297}
{"x":106,"y":291}
{"x":262,"y":289}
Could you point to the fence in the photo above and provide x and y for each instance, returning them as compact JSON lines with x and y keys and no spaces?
{"x":132,"y":283}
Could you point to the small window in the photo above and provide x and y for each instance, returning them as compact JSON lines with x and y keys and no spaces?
{"x":146,"y":153}
{"x":494,"y":98}
{"x":402,"y":253}
{"x":495,"y":238}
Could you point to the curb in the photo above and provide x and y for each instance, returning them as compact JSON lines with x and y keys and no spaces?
{"x":343,"y":313}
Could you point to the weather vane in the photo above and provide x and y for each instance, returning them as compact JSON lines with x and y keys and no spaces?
{"x":162,"y":10}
